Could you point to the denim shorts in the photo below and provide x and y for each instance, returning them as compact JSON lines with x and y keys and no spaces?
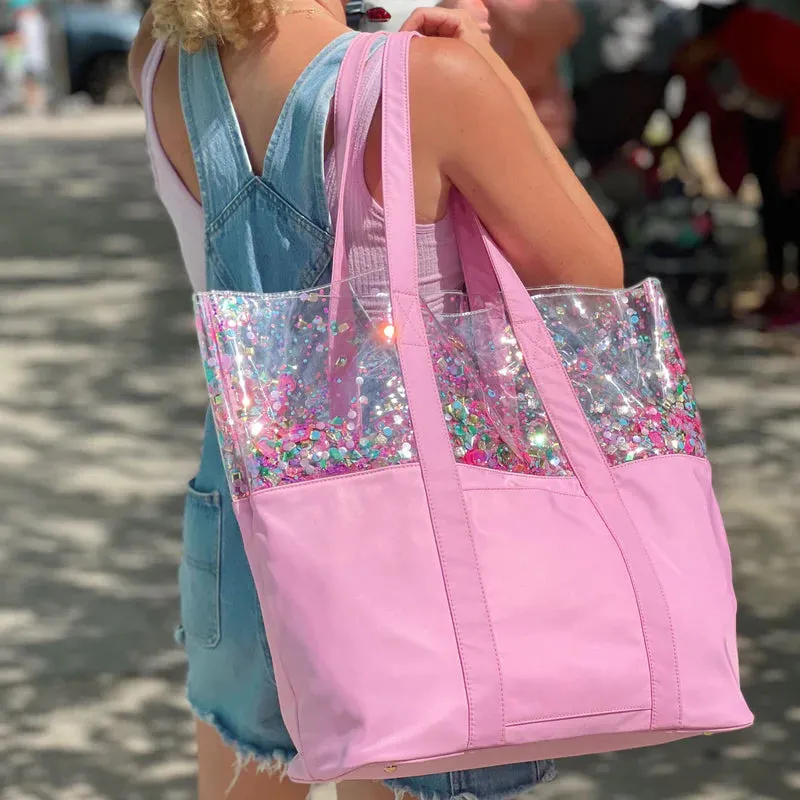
{"x":231,"y":683}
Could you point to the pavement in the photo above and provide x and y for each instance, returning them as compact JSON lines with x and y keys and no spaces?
{"x":101,"y":405}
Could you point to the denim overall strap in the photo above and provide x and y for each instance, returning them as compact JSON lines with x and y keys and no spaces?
{"x":220,"y":156}
{"x":294,"y":162}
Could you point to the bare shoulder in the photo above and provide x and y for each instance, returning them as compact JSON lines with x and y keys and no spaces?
{"x":457,"y":99}
{"x":449,"y":71}
{"x":140,"y":50}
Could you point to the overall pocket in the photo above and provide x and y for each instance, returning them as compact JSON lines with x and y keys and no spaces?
{"x":200,"y":566}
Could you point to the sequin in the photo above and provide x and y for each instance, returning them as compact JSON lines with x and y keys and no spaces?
{"x":622,"y":354}
{"x":296,"y":396}
{"x":266,"y":360}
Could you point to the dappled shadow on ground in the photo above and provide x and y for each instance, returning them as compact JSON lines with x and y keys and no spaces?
{"x":748,"y":386}
{"x":102,"y":404}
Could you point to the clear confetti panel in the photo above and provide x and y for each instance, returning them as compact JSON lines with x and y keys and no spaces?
{"x":296,"y":396}
{"x":493,"y":411}
{"x":622,"y":355}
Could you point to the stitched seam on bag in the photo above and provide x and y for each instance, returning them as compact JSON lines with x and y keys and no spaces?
{"x":525,"y":489}
{"x":702,"y":459}
{"x":624,"y":508}
{"x":677,"y":733}
{"x":276,"y":653}
{"x":285,"y":487}
{"x":416,"y":306}
{"x":599,"y":712}
{"x":675,"y":663}
{"x":524,"y":476}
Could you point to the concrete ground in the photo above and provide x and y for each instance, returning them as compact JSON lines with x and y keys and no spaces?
{"x":101,"y":403}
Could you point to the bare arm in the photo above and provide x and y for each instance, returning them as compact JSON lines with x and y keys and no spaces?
{"x":140,"y":49}
{"x":492,"y":147}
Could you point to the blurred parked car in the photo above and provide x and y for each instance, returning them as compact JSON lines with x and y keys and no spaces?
{"x":97,"y":40}
{"x":374,"y":15}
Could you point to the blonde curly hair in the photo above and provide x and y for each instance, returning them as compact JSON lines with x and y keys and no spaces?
{"x":191,"y":23}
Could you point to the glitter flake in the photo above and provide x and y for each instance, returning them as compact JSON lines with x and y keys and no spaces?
{"x":296,"y":396}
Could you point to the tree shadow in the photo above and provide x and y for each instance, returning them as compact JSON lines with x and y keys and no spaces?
{"x":102,"y":408}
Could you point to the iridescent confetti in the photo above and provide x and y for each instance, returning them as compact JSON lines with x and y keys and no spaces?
{"x":272,"y":387}
{"x":493,"y":411}
{"x":622,"y":355}
{"x":297,"y":397}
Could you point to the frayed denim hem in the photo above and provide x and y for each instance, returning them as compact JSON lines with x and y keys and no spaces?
{"x":543,"y":772}
{"x":274,"y":763}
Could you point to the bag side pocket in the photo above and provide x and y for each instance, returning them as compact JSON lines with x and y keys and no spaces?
{"x":200,"y":566}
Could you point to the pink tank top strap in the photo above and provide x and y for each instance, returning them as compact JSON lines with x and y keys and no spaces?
{"x":158,"y":158}
{"x":149,"y":71}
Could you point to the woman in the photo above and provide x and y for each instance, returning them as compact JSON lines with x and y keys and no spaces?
{"x":256,"y":81}
{"x":32,"y":31}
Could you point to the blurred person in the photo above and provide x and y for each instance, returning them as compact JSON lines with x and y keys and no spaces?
{"x":532,"y":37}
{"x":11,"y":58}
{"x":621,"y":66}
{"x":31,"y":27}
{"x":745,"y":67}
{"x":233,"y":88}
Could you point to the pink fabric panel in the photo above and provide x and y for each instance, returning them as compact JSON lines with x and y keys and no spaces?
{"x":483,"y":478}
{"x":563,"y":610}
{"x":672,"y":499}
{"x":377,"y":572}
{"x":594,"y":474}
{"x":513,"y":753}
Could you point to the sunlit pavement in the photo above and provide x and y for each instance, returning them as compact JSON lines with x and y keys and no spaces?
{"x":101,"y":403}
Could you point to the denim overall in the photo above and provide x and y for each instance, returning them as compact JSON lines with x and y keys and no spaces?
{"x":263,"y":234}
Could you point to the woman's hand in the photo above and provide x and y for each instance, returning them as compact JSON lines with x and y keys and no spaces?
{"x":475,"y":8}
{"x":452,"y":23}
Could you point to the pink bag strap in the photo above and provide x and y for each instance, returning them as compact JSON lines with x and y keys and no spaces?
{"x":346,"y":118}
{"x":451,"y":523}
{"x":557,"y":394}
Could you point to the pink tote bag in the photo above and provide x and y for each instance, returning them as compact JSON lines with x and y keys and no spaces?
{"x":479,"y":536}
